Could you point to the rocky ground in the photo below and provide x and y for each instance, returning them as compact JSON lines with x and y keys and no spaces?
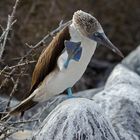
{"x":111,"y":112}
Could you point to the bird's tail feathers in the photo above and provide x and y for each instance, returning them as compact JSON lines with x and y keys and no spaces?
{"x":21,"y":108}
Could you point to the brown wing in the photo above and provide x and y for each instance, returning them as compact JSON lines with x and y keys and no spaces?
{"x":48,"y":59}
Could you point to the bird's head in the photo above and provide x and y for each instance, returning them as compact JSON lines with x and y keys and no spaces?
{"x":89,"y":26}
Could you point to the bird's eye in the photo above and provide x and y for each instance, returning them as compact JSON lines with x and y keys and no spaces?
{"x":96,"y":34}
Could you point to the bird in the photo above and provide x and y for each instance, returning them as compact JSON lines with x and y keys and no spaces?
{"x":65,"y":59}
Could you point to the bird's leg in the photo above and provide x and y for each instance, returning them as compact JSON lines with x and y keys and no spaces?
{"x":69,"y":91}
{"x":66,"y":63}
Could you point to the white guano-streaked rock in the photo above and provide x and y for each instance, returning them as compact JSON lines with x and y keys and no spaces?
{"x":120,"y":101}
{"x":76,"y":119}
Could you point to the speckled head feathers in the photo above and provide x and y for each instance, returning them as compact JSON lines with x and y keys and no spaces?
{"x":86,"y":23}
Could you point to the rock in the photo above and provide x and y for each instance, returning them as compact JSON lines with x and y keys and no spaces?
{"x":88,"y":93}
{"x":21,"y":135}
{"x":41,"y":110}
{"x":4,"y":101}
{"x":132,"y":61}
{"x":3,"y":104}
{"x":76,"y":119}
{"x":120,"y":101}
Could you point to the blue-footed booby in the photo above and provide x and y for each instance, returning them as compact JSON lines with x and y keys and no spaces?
{"x":65,"y":59}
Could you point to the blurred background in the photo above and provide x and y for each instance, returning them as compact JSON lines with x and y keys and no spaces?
{"x":36,"y":18}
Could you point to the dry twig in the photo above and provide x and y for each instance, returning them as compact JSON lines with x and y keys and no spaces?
{"x":52,"y":33}
{"x":5,"y":33}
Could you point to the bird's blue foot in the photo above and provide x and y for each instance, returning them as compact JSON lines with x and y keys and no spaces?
{"x":69,"y":91}
{"x":74,"y":52}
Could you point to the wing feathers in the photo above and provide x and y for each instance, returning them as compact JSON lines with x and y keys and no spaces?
{"x":48,"y":59}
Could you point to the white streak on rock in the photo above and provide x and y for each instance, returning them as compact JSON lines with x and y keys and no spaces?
{"x":76,"y":119}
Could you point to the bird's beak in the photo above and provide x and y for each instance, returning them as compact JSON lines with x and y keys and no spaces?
{"x":101,"y":38}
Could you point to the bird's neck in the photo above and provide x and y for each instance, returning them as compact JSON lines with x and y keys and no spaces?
{"x":88,"y":45}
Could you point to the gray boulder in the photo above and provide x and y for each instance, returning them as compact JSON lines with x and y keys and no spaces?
{"x":76,"y":119}
{"x":132,"y":61}
{"x":120,"y":101}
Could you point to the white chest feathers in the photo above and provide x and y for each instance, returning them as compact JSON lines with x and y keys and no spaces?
{"x":76,"y":69}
